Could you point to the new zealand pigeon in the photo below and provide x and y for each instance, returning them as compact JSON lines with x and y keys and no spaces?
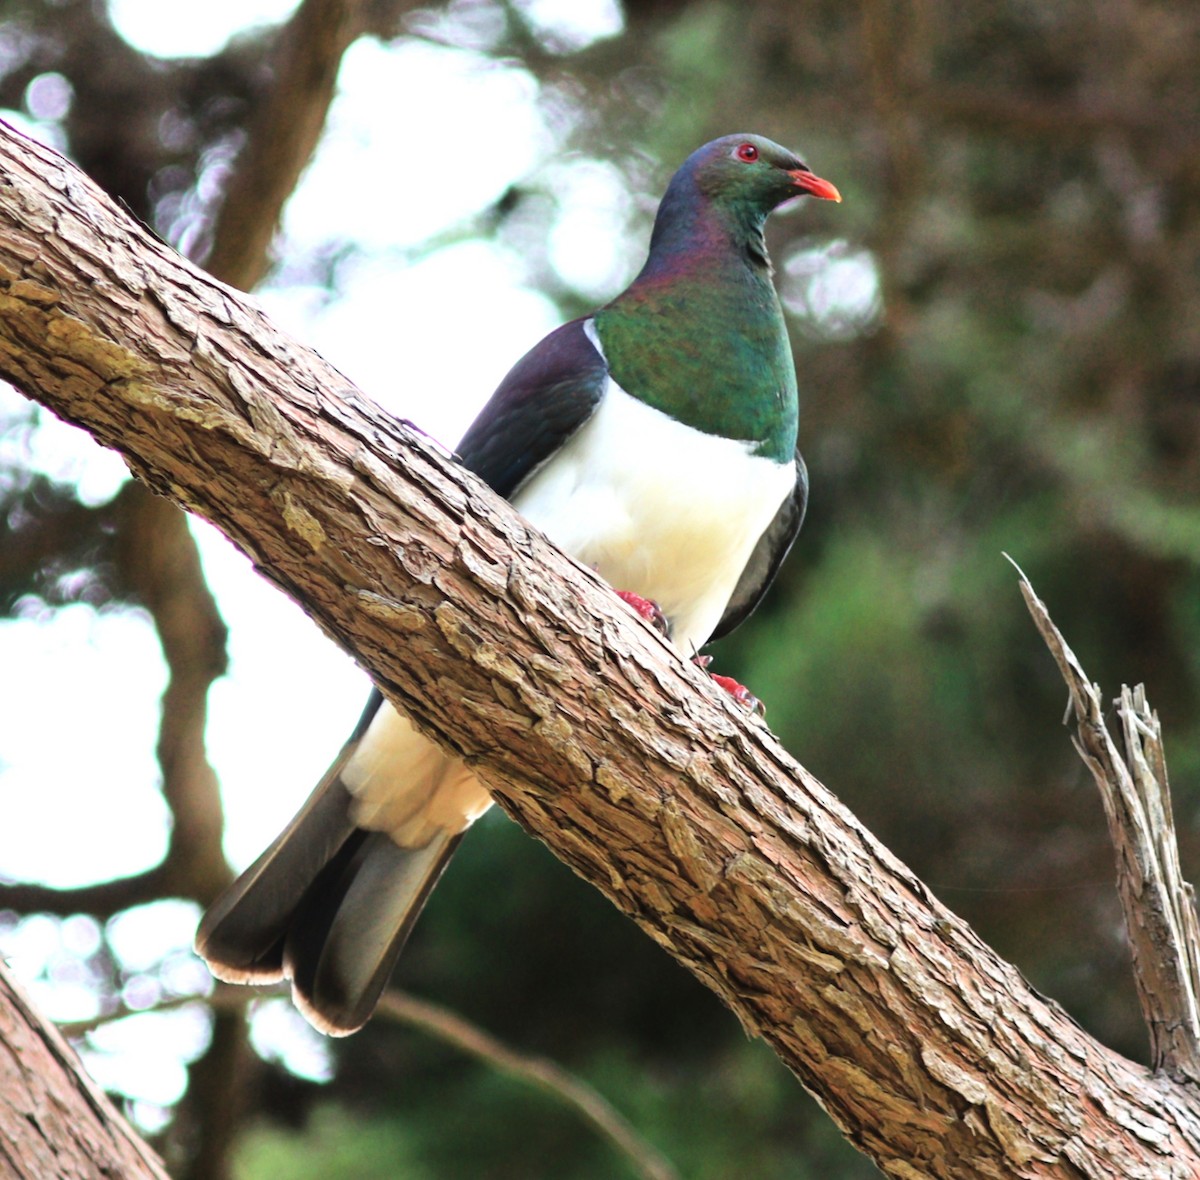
{"x":654,"y":440}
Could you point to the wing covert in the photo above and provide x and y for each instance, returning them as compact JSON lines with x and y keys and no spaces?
{"x":546,"y":396}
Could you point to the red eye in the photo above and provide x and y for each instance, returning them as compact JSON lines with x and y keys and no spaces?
{"x":747,"y":153}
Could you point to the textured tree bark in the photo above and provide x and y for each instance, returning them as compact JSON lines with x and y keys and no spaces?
{"x":54,"y":1120}
{"x":931,"y":1053}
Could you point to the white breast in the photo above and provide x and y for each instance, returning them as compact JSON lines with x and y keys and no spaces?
{"x":658,"y":508}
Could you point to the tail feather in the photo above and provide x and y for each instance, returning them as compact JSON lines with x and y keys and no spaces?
{"x":242,"y":934}
{"x":351,"y":926}
{"x":329,"y":904}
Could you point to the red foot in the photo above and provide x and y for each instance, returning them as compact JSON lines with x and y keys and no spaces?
{"x":647,"y":609}
{"x":739,"y":692}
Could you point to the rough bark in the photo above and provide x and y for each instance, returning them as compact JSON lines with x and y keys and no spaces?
{"x":930,"y":1052}
{"x":54,"y":1121}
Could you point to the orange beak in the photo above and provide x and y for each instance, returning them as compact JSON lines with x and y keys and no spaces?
{"x":814,"y":185}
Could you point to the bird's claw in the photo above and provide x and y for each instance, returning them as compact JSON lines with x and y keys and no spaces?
{"x":739,"y":692}
{"x":647,"y":609}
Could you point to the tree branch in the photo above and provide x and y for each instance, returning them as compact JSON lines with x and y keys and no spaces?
{"x":161,"y":565}
{"x":1159,"y":906}
{"x":282,"y":136}
{"x":54,"y":1120}
{"x":103,"y":899}
{"x":438,"y":1021}
{"x":930,"y":1052}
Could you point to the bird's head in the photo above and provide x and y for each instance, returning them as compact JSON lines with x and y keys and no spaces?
{"x":722,"y":195}
{"x":754,"y":173}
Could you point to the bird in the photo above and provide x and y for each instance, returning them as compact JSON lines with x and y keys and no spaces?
{"x":654,"y":440}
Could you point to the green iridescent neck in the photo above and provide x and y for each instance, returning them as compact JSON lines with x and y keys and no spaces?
{"x":700,"y":334}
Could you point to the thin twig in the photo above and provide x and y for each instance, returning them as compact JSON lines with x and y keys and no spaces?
{"x":1159,"y":906}
{"x":454,"y":1030}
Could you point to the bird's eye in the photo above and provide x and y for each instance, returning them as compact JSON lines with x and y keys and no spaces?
{"x":747,"y":153}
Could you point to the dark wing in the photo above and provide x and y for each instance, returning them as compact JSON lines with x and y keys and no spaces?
{"x":768,"y":555}
{"x":547,"y":396}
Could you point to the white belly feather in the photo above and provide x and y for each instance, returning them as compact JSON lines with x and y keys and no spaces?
{"x":661,"y":509}
{"x":658,"y":508}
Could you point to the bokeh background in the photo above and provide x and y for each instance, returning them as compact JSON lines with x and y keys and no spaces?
{"x":997,"y":336}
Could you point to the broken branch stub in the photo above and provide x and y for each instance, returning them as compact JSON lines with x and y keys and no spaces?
{"x":1158,"y":904}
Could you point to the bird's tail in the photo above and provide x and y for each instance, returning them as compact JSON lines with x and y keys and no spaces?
{"x":329,"y":905}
